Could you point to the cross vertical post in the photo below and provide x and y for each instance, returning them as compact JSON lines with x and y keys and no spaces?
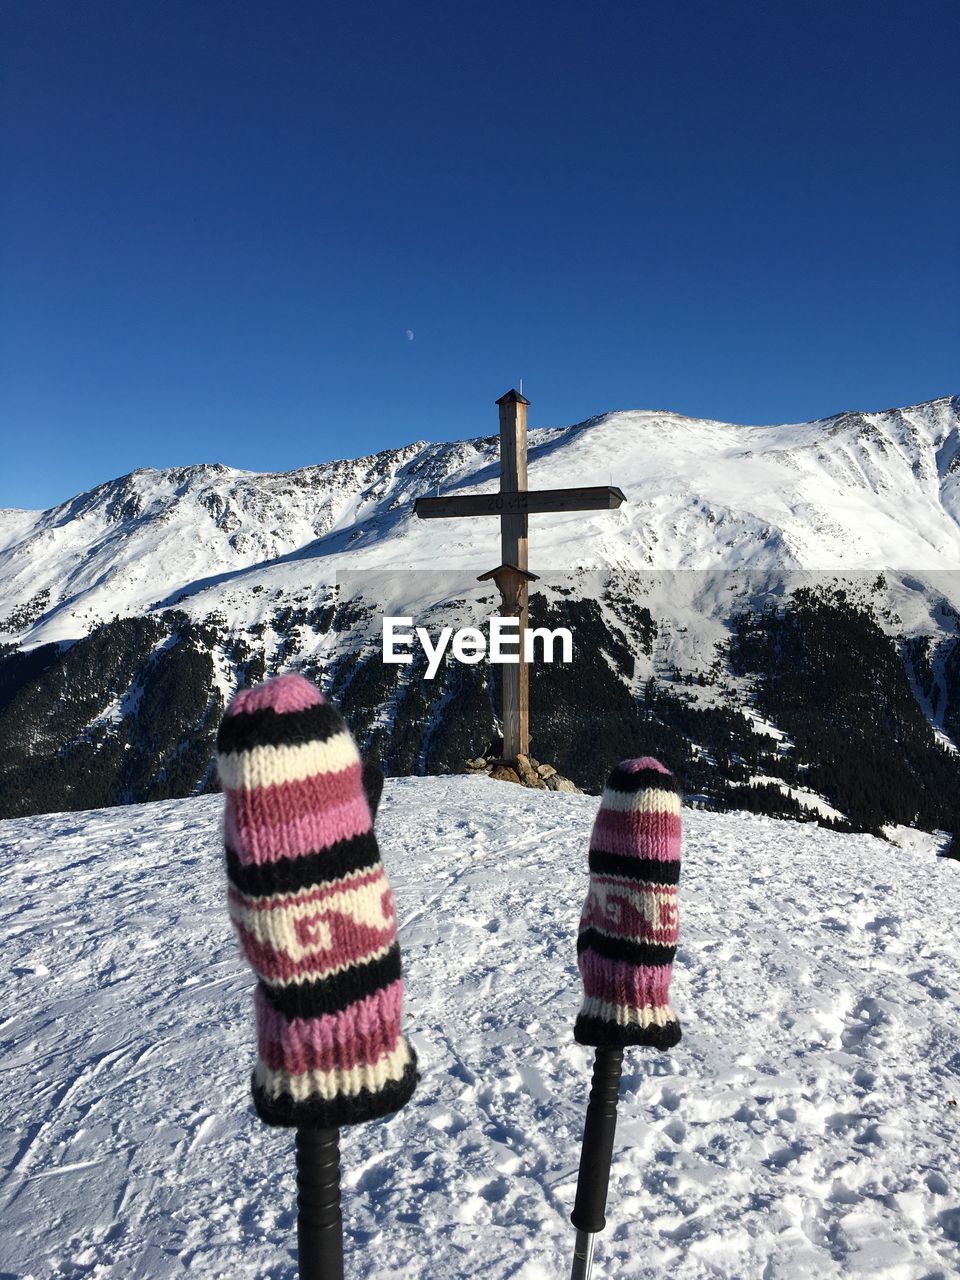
{"x":513,"y":551}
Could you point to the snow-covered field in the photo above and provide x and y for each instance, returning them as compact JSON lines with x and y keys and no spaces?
{"x":806,"y":1126}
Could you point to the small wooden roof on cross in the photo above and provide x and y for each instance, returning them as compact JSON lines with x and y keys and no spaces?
{"x":511,"y":568}
{"x":512,"y":397}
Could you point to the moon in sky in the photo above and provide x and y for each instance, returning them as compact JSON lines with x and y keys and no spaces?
{"x":409,"y":333}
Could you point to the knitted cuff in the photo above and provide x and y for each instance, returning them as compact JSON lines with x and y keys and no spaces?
{"x":313,"y":909}
{"x":628,"y":929}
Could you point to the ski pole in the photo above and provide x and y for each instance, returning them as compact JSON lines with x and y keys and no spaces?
{"x":319,"y":1222}
{"x":596,"y":1154}
{"x":625,"y":949}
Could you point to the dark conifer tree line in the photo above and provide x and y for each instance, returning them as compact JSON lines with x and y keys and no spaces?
{"x":129,"y":713}
{"x":829,"y":676}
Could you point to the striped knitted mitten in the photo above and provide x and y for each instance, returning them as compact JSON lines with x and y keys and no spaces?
{"x":312,"y":906}
{"x":628,"y":930}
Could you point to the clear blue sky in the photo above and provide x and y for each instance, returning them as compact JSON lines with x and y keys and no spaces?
{"x":221,"y":221}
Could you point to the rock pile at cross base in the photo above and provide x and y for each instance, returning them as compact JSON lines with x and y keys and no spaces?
{"x":524,"y":770}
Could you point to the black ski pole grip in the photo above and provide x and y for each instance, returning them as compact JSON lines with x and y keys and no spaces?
{"x":319,"y":1222}
{"x":596,"y":1153}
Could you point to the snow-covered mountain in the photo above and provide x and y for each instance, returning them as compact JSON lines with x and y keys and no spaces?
{"x":129,"y":614}
{"x":855,"y":492}
{"x":804,"y":1127}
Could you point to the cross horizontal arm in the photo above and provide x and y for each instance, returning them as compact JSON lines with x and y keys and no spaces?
{"x":599,"y":497}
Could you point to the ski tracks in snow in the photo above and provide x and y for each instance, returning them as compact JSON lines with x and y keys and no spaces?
{"x":803,"y":1126}
{"x":119,"y":980}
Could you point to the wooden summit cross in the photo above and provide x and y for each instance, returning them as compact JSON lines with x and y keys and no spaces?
{"x":513,"y":504}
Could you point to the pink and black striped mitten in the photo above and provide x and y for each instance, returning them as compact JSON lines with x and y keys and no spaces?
{"x":628,"y":929}
{"x":313,"y":910}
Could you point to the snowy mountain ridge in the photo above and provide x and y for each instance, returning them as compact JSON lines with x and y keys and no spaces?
{"x":855,"y":492}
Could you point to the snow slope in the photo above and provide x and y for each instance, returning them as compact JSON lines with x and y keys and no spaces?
{"x":806,"y":1126}
{"x":856,"y":492}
